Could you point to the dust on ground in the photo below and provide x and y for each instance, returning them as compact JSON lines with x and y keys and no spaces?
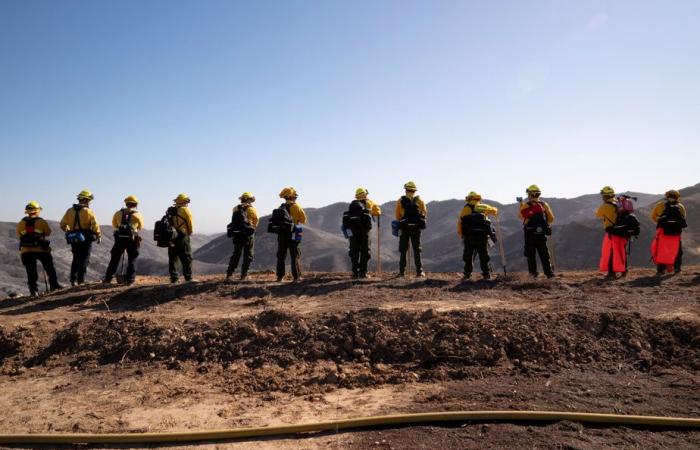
{"x":160,"y":357}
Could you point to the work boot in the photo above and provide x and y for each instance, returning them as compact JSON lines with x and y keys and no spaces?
{"x":401,"y":274}
{"x":228,"y":276}
{"x":486,"y":275}
{"x":33,"y":294}
{"x":174,"y":280}
{"x":280,"y":278}
{"x":107,"y":281}
{"x":297,"y":280}
{"x":611,"y":276}
{"x":421,"y":274}
{"x":130,"y":282}
{"x":550,"y":275}
{"x":245,"y":277}
{"x":363,"y":276}
{"x":534,"y":274}
{"x":191,"y":281}
{"x":467,"y":277}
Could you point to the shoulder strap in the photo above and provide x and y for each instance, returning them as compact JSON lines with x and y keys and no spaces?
{"x":174,"y":209}
{"x":126,"y":216}
{"x":76,"y":220}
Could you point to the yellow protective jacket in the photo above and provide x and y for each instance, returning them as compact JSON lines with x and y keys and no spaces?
{"x":469,"y":208}
{"x":40,"y":227}
{"x":135,"y":221}
{"x":421,"y":207}
{"x":182,"y":221}
{"x":608,"y":212}
{"x":547,"y":210}
{"x":297,"y":213}
{"x":251,"y":213}
{"x":86,"y":220}
{"x":373,"y":208}
{"x":659,"y":210}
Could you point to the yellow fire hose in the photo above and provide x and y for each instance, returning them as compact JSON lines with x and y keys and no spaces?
{"x":376,"y":421}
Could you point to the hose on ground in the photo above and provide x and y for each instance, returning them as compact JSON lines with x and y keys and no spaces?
{"x":343,"y":424}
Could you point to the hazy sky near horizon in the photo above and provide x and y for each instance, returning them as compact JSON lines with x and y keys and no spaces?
{"x":214,"y":98}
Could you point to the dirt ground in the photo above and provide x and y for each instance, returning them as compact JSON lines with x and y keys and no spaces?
{"x":159,"y":357}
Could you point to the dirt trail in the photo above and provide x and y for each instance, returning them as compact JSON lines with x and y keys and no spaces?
{"x":209,"y":355}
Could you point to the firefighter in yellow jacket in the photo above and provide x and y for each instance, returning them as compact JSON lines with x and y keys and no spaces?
{"x":290,"y":241}
{"x":613,"y":256}
{"x":32,"y":232}
{"x":670,"y":218}
{"x":126,"y":223}
{"x":357,"y":223}
{"x":244,"y":222}
{"x":537,"y":218}
{"x":80,"y":225}
{"x":180,"y":249}
{"x":411,"y":215}
{"x":474,"y":228}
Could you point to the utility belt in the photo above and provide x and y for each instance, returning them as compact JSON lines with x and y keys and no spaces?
{"x":29,"y":241}
{"x":80,"y":236}
{"x":413,"y":223}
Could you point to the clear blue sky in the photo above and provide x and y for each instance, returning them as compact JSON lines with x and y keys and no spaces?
{"x":212,"y":98}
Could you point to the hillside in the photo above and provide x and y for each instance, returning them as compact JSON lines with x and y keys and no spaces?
{"x":213,"y":355}
{"x":152,"y":260}
{"x":576,"y":241}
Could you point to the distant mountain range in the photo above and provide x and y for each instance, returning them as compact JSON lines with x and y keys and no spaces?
{"x":576,"y":235}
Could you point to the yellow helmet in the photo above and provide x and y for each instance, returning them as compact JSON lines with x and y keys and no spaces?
{"x":85,"y":195}
{"x":182,"y":199}
{"x":607,"y":191}
{"x":533,"y":189}
{"x":131,"y":199}
{"x":288,"y":192}
{"x":247,"y":196}
{"x":359,"y":192}
{"x":473,"y":196}
{"x":410,"y":186}
{"x":673,"y":194}
{"x":32,"y":206}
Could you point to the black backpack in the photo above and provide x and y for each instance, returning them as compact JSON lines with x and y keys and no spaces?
{"x":412,"y":217}
{"x":672,"y":220}
{"x":627,"y":225}
{"x":30,"y":238}
{"x":357,"y":217}
{"x":240,"y":226}
{"x":125,"y":232}
{"x":281,"y":220}
{"x":475,"y":224}
{"x":164,"y":233}
{"x":538,"y":224}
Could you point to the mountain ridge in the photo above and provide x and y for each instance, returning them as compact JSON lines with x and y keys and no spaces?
{"x":576,"y":241}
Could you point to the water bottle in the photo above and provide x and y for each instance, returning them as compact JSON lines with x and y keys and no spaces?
{"x":298,"y":233}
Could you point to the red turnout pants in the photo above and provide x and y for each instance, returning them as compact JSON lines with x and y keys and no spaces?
{"x":613,"y":254}
{"x":664,"y":249}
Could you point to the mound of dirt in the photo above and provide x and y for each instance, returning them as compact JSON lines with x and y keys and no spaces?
{"x":273,"y":349}
{"x":10,"y":343}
